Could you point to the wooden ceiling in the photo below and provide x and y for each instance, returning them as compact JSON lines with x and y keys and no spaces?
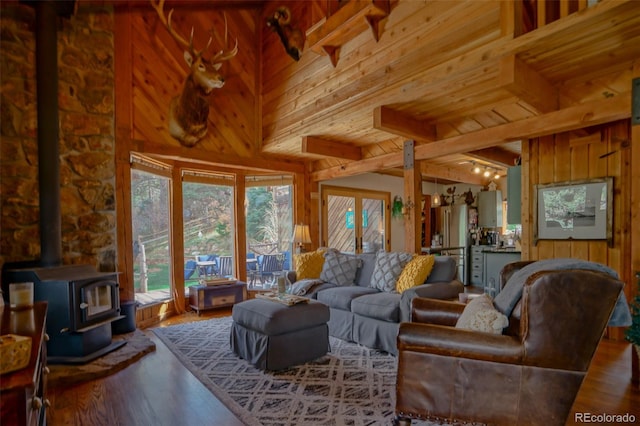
{"x":453,"y":76}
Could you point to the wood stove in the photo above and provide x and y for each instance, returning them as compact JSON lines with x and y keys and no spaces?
{"x":82,"y":302}
{"x":82,"y":305}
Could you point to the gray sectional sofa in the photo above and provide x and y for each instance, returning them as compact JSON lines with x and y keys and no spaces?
{"x":370,"y":316}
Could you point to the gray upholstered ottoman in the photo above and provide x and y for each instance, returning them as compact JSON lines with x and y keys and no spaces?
{"x":273,"y":336}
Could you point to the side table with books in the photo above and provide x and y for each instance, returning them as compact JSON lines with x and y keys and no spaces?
{"x":213,"y":295}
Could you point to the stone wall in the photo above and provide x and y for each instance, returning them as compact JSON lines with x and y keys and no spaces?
{"x":87,"y":136}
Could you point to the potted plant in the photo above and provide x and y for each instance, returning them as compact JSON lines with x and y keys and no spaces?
{"x":633,"y":336}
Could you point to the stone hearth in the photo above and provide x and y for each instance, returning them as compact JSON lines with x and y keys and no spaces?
{"x":138,"y":345}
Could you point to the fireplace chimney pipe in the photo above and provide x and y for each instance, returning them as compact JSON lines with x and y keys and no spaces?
{"x":48,"y":133}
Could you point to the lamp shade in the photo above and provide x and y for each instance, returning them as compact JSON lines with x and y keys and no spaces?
{"x":301,"y":235}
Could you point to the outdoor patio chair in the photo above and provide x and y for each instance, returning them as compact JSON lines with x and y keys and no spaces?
{"x":209,"y":269}
{"x":270,"y":265}
{"x":225,"y":266}
{"x":189,"y":269}
{"x":252,"y":267}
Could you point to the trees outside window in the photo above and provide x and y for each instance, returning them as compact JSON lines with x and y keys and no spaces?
{"x":269,"y":218}
{"x":150,"y":207}
{"x":208,"y":222}
{"x":208,"y":214}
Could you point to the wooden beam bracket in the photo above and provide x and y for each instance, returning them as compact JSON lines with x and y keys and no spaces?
{"x":326,"y":37}
{"x":408,"y":154}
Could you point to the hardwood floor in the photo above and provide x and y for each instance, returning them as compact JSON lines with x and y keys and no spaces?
{"x":158,"y":390}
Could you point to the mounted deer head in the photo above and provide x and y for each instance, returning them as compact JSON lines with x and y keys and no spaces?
{"x":189,"y":111}
{"x":292,"y":38}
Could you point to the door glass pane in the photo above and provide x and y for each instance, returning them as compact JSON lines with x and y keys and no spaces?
{"x":150,"y":209}
{"x":208,"y":216}
{"x":341,"y":229}
{"x":372,"y":225}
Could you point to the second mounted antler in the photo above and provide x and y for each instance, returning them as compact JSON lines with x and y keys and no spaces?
{"x":189,"y":111}
{"x":291,"y":37}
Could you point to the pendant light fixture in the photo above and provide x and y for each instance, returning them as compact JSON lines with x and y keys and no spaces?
{"x":435,"y":198}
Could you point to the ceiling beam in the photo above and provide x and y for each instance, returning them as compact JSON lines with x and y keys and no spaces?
{"x":324,"y":147}
{"x":518,"y":78}
{"x":495,"y":155}
{"x":454,"y":174}
{"x":571,"y":118}
{"x":398,"y":123}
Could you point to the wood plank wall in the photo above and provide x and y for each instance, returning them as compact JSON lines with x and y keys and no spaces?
{"x":575,"y":156}
{"x":159,"y":72}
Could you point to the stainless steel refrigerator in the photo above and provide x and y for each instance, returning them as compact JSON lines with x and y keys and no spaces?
{"x":455,"y":236}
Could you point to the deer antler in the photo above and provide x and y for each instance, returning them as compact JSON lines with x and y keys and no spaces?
{"x":166,"y":21}
{"x":222,"y":56}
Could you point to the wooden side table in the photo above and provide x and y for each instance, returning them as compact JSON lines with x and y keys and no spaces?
{"x":203,"y":297}
{"x":23,"y":392}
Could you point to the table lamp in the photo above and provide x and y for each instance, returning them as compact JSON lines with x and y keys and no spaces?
{"x":301,"y":235}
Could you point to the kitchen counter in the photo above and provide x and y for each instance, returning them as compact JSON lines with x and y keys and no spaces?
{"x":501,"y":250}
{"x":433,"y":250}
{"x":460,"y":254}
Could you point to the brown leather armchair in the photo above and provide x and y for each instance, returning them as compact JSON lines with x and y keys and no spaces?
{"x":529,"y":375}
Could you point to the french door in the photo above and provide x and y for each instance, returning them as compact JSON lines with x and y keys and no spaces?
{"x":355,"y":220}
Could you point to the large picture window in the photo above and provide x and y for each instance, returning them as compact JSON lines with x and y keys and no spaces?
{"x":209,"y":218}
{"x":269,"y":227}
{"x":151,"y":228}
{"x":209,"y":227}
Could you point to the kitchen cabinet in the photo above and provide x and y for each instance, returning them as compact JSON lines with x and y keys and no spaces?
{"x":514,"y":195}
{"x":494,"y":261}
{"x":476,"y":270}
{"x":490,"y":209}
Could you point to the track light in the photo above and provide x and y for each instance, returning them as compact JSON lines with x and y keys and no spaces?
{"x":476,"y":168}
{"x":486,"y":172}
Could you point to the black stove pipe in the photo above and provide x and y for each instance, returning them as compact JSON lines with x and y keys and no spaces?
{"x":48,"y":133}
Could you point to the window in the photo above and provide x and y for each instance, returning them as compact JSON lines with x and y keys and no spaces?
{"x":209,"y":227}
{"x":151,"y":228}
{"x":209,"y":222}
{"x":269,"y":223}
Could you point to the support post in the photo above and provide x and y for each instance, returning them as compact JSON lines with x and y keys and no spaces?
{"x":413,"y":201}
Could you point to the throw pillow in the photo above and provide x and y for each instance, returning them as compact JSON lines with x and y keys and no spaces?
{"x":308,"y":265}
{"x":415,"y":272}
{"x":388,"y":267}
{"x":339,"y":268}
{"x":480,"y":315}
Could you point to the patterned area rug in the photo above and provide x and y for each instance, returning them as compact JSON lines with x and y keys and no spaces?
{"x":352,"y":385}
